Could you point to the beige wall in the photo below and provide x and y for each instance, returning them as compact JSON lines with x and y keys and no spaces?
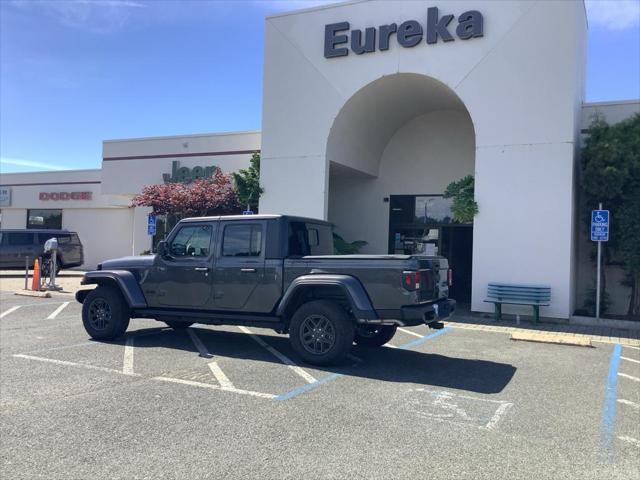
{"x":423,"y":157}
{"x":107,"y":224}
{"x":104,"y":232}
{"x":126,"y":176}
{"x":522,"y":84}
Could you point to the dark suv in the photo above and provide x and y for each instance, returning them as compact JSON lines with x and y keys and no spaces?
{"x":16,"y":245}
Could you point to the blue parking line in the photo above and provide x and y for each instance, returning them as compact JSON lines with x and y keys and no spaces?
{"x":329,"y":378}
{"x":309,"y":386}
{"x":608,"y":425}
{"x":418,"y":341}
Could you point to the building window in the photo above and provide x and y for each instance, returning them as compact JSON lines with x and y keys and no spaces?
{"x":49,"y":219}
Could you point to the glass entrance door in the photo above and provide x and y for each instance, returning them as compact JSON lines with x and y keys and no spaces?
{"x":415,"y":223}
{"x":423,"y":225}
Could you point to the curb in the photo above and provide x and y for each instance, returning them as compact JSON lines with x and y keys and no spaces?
{"x":31,"y":293}
{"x":552,"y":338}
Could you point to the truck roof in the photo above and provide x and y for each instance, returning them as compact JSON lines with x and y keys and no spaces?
{"x":262,"y":216}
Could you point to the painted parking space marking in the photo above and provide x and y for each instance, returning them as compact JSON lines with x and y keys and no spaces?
{"x":630,"y":440}
{"x":353,"y":358}
{"x":225,"y":384}
{"x":198,"y":343}
{"x":410,"y":332}
{"x":282,"y":357}
{"x":451,"y":407}
{"x":633,"y":360}
{"x":11,"y":310}
{"x":57,"y":311}
{"x":191,"y":383}
{"x":63,"y":347}
{"x":74,"y":364}
{"x":629,"y":403}
{"x":222,"y":379}
{"x":423,"y":339}
{"x":310,"y":386}
{"x":608,"y":423}
{"x":334,"y":376}
{"x":630,"y":346}
{"x":630,"y":377}
{"x":127,"y":360}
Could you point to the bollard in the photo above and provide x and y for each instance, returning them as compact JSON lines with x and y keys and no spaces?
{"x":35,"y":282}
{"x":52,"y":273}
{"x":26,"y":273}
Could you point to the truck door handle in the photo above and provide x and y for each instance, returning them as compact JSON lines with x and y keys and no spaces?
{"x":248,"y":270}
{"x":201,"y":269}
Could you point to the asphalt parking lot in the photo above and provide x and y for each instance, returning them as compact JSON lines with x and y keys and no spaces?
{"x":229,"y":402}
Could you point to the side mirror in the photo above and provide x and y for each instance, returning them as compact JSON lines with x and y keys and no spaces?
{"x":162,"y":249}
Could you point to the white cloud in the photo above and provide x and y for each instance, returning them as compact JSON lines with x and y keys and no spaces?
{"x":613,"y":14}
{"x":291,"y":5}
{"x":18,"y":162}
{"x":98,"y":16}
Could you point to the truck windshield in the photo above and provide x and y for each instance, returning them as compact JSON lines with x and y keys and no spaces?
{"x":309,"y":239}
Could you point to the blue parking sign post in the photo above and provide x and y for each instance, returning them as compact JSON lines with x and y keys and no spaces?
{"x":600,"y":225}
{"x":599,"y":233}
{"x":151,"y":224}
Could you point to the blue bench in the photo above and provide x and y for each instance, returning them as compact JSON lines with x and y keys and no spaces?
{"x":518,"y":294}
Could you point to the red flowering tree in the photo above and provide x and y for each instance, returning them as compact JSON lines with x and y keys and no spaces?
{"x":205,"y":196}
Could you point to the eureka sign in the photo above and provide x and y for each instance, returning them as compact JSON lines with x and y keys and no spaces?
{"x":186,"y":175}
{"x":408,"y":34}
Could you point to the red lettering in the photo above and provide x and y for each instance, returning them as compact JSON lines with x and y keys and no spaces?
{"x":65,"y":195}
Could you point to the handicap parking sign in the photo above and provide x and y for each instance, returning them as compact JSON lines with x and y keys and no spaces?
{"x":151,"y":225}
{"x":600,"y":225}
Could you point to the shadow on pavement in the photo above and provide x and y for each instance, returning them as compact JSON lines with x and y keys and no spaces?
{"x":383,"y":364}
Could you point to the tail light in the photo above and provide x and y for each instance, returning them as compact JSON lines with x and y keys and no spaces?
{"x":411,"y":280}
{"x":450,"y":277}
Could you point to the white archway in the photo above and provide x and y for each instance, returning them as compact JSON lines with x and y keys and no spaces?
{"x":403,"y":134}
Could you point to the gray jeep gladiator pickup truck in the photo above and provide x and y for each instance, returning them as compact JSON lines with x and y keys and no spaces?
{"x":272,"y":271}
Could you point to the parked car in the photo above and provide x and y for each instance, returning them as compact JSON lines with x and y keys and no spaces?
{"x":269,"y":271}
{"x":16,"y":245}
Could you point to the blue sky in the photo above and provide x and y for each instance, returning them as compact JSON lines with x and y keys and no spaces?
{"x":73,"y":73}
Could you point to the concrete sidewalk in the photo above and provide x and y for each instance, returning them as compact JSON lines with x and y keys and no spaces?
{"x":13,"y":281}
{"x":472,"y":321}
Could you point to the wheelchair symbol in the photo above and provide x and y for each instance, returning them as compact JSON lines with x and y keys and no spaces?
{"x":599,"y":218}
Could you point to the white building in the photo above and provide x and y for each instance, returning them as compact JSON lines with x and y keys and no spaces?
{"x":107,"y":224}
{"x":370,"y":109}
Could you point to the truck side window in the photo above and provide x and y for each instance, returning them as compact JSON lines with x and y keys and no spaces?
{"x":242,"y":241}
{"x":309,"y":239}
{"x":191,"y":241}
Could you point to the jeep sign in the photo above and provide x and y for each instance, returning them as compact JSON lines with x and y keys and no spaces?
{"x":187,"y":175}
{"x":408,"y":34}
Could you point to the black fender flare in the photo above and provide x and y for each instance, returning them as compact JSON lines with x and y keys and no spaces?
{"x":354,"y":291}
{"x":124,"y":280}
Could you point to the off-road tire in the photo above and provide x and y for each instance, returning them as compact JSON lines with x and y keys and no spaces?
{"x":334,"y":326}
{"x":374,"y":335}
{"x":178,"y":325}
{"x":105,"y":313}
